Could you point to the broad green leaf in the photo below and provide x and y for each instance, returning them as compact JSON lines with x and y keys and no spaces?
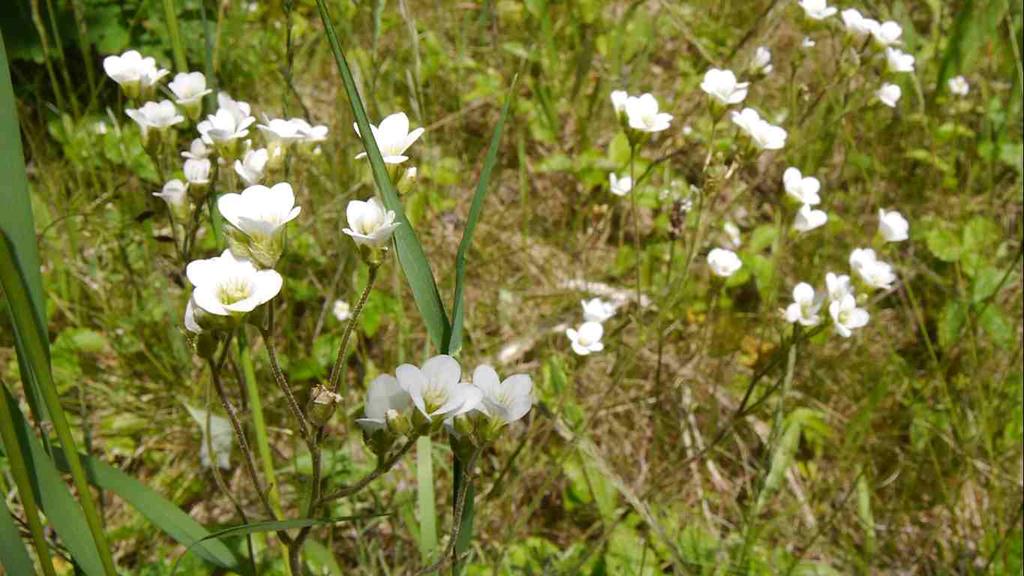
{"x":950,"y":323}
{"x":410,"y":252}
{"x":14,"y":557}
{"x":994,"y":322}
{"x":458,"y":304}
{"x":943,"y":243}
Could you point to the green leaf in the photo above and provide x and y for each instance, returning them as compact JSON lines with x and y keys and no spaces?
{"x":951,"y":322}
{"x":943,"y":243}
{"x":458,"y":305}
{"x":410,"y":252}
{"x":986,"y":282}
{"x":14,"y":557}
{"x":994,"y":322}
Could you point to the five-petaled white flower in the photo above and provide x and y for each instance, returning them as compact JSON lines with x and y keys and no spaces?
{"x":393,"y":137}
{"x":597,"y":310}
{"x":175,"y":194}
{"x":857,"y":25}
{"x":309,"y":134}
{"x":155,"y":115}
{"x":507,"y":400}
{"x":436,"y":389}
{"x":341,"y":310}
{"x":133,"y":72}
{"x":889,"y":94}
{"x":230,"y":123}
{"x":872,"y":271}
{"x":805,"y":306}
{"x":279,"y":131}
{"x":765,"y":135}
{"x":252,"y":166}
{"x":587,"y":338}
{"x":619,"y":98}
{"x":620,"y":186}
{"x":846,"y":316}
{"x":898,"y":60}
{"x":369,"y":223}
{"x":384,"y":395}
{"x":230,"y":286}
{"x":723,"y":263}
{"x":197,"y":171}
{"x":723,"y":86}
{"x":642,"y":112}
{"x":808,"y":218}
{"x":817,"y":9}
{"x":188,"y":88}
{"x":958,"y":85}
{"x":838,"y":286}
{"x":802,"y":189}
{"x":892,"y":226}
{"x":761,"y":63}
{"x":887,"y":33}
{"x":260,"y":212}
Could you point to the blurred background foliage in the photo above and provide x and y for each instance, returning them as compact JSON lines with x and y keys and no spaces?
{"x":901,"y":448}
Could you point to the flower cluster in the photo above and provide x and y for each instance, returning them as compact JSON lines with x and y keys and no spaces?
{"x":586,"y":338}
{"x":419,"y":399}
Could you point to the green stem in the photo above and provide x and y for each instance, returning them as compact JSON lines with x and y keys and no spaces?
{"x":636,"y":223}
{"x":350,"y":326}
{"x":18,"y":468}
{"x":171,"y":15}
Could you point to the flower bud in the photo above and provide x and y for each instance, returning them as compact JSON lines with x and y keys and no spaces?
{"x":398,"y":423}
{"x":322,"y":403}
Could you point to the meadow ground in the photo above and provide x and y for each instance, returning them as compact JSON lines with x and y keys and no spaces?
{"x":706,"y":427}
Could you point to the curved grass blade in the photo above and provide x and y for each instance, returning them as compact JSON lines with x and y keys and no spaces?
{"x":410,"y":252}
{"x":475,"y":209}
{"x":269,"y":526}
{"x":61,"y":510}
{"x":14,"y":558}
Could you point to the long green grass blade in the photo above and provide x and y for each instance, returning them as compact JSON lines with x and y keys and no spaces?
{"x":14,"y":557}
{"x":62,"y":512}
{"x":475,"y":209}
{"x":425,"y":502}
{"x":410,"y":252}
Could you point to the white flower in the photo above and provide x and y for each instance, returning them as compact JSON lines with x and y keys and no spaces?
{"x":807,"y":219}
{"x":805,"y":306}
{"x":252,"y":166}
{"x":192,"y":317}
{"x":280,"y":131}
{"x":762,"y":60}
{"x":838,"y":286}
{"x":231,"y":121}
{"x":229,"y":286}
{"x":393,"y":138}
{"x":856,"y":24}
{"x":723,"y":263}
{"x":175,"y":194}
{"x":133,"y":72}
{"x":871,"y":270}
{"x":817,"y":9}
{"x":197,"y":150}
{"x":597,"y":310}
{"x":384,"y":395}
{"x":800,"y":188}
{"x":887,"y":33}
{"x":889,"y":94}
{"x":197,"y":171}
{"x":642,"y":112}
{"x":504,"y":400}
{"x":619,"y":98}
{"x":807,"y":43}
{"x":587,"y":338}
{"x":846,"y":316}
{"x":733,"y":232}
{"x":958,"y":85}
{"x":722,"y":86}
{"x":435,"y":388}
{"x":155,"y":115}
{"x":620,"y":186}
{"x":893,"y":226}
{"x":898,"y":60}
{"x":188,"y":88}
{"x":369,"y":223}
{"x":309,"y":134}
{"x":765,"y":135}
{"x":342,"y":311}
{"x":260,"y":212}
